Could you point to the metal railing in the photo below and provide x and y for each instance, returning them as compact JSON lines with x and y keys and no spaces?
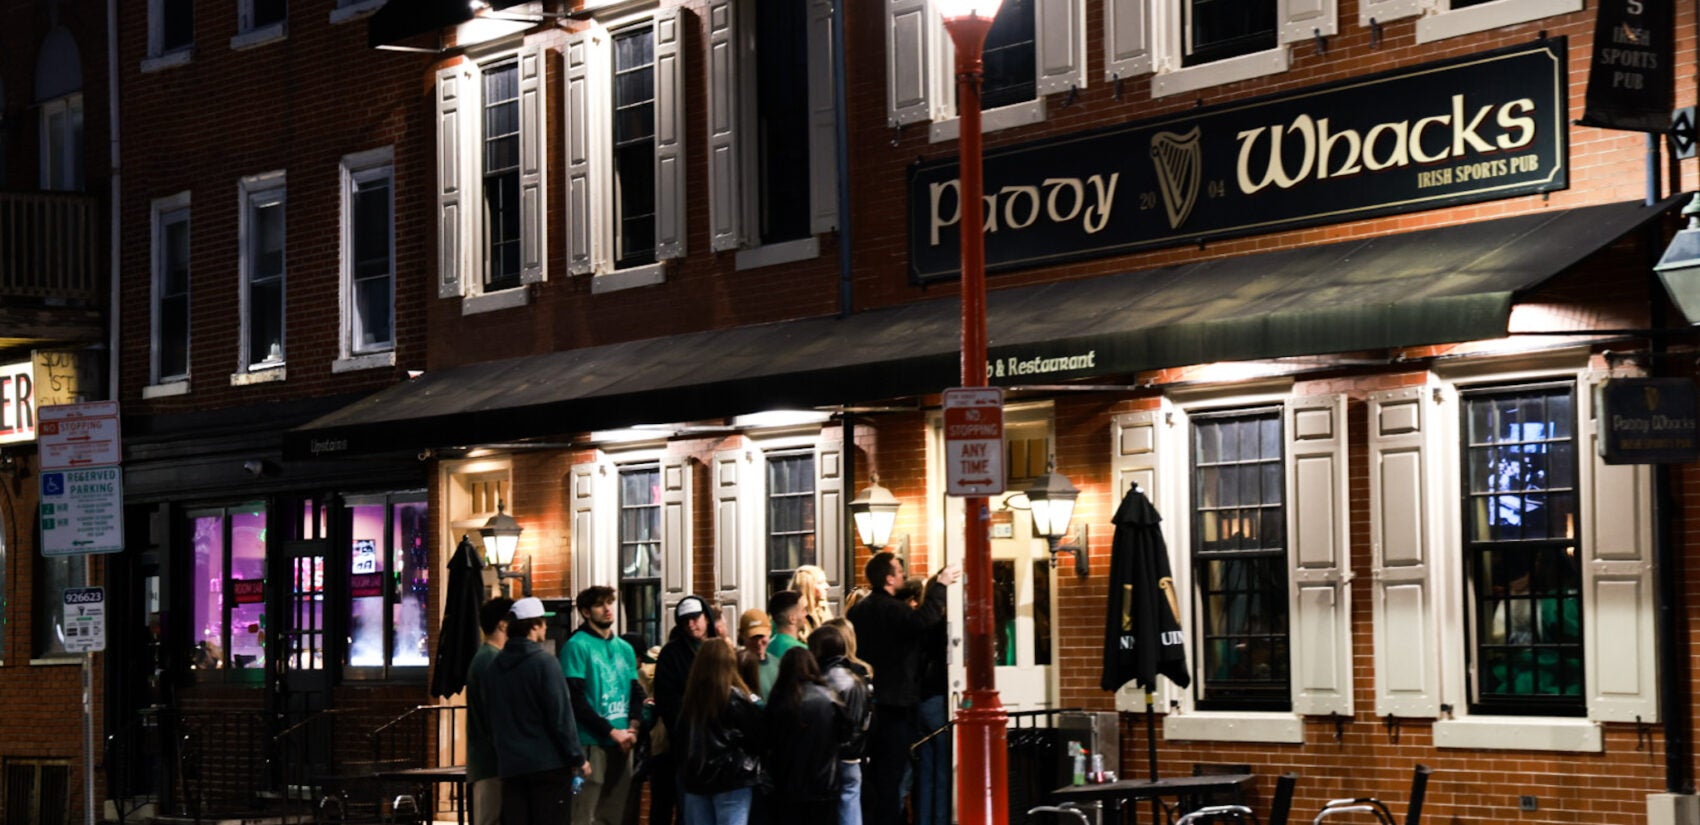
{"x":50,"y":247}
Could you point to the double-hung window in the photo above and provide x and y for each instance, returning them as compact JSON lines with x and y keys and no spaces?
{"x":389,"y":576}
{"x":1035,"y":48}
{"x":227,"y":591}
{"x":625,"y":153}
{"x":1254,"y":488}
{"x":262,"y":265}
{"x":1512,"y":575}
{"x":171,"y":33}
{"x":790,"y":523}
{"x":631,"y":530}
{"x":368,"y":260}
{"x":1440,"y":19}
{"x":1188,"y":45}
{"x":491,"y":199}
{"x":169,"y":346}
{"x":782,"y":495}
{"x":62,"y":143}
{"x":260,"y":21}
{"x":771,"y":129}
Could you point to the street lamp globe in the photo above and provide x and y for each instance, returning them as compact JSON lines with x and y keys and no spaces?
{"x":501,"y":537}
{"x":952,"y":10}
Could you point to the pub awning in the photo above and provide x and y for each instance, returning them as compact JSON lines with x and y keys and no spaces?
{"x":1451,"y":284}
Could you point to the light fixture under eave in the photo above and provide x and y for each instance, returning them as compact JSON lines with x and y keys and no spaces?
{"x":964,"y":9}
{"x":875,"y":512}
{"x":501,"y":538}
{"x":1679,"y":267}
{"x":1052,"y":500}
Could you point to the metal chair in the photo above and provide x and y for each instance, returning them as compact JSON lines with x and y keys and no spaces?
{"x":1218,"y":813}
{"x":1068,"y":808}
{"x":1379,"y":809}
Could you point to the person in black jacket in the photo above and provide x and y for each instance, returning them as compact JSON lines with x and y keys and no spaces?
{"x":530,"y":714}
{"x":849,"y":682}
{"x":720,"y":738}
{"x":691,"y":625}
{"x":889,"y":634}
{"x":804,"y":761}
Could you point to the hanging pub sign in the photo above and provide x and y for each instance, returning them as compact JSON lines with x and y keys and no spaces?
{"x":1481,"y":127}
{"x":1648,"y":421}
{"x":1631,"y":77}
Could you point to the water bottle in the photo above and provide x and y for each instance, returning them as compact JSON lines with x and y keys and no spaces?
{"x":578,"y":783}
{"x":1097,"y":769}
{"x":1079,"y":765}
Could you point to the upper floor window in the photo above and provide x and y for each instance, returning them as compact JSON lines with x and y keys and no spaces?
{"x":171,"y":27}
{"x":1239,"y":560}
{"x":1035,"y":48}
{"x":227,"y":590}
{"x":772,"y":129}
{"x":491,"y":197}
{"x":261,"y":235}
{"x":368,"y":259}
{"x":259,"y":22}
{"x":625,"y":168}
{"x":1188,"y":45}
{"x":169,"y":348}
{"x":640,"y":551}
{"x":1440,"y":19}
{"x":1522,"y":571}
{"x":1214,"y":30}
{"x":389,"y":578}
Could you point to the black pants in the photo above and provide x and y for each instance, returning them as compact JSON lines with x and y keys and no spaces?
{"x":892,"y":733}
{"x":663,"y":791}
{"x":541,"y":798}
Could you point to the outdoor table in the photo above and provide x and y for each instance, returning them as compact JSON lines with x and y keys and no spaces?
{"x":429,"y":778}
{"x":1123,"y":793}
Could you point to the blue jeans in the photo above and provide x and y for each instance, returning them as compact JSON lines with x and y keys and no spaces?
{"x":724,"y":808}
{"x":850,"y":793}
{"x":932,"y":782}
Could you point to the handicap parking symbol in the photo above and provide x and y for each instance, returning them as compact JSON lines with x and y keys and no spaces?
{"x":53,"y":484}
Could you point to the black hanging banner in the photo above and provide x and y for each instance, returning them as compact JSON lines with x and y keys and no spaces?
{"x":1630,"y":81}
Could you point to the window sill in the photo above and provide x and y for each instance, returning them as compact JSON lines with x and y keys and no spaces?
{"x":778,"y":253}
{"x":61,"y":660}
{"x":259,"y":375}
{"x":1490,"y":16}
{"x":259,"y":37}
{"x":1208,"y":726}
{"x":1521,"y":733}
{"x":629,"y":278}
{"x":181,"y":57}
{"x":355,"y":11}
{"x":1232,"y":70}
{"x":991,"y":120}
{"x":166,"y":389}
{"x":371,"y":361}
{"x":490,"y":302}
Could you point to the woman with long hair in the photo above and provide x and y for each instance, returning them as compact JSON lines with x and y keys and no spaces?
{"x":848,"y":630}
{"x":810,"y":583}
{"x":720,"y":739}
{"x":834,"y":648}
{"x":804,"y":762}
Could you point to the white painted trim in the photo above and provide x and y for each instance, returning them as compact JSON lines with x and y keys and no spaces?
{"x":1520,"y":733}
{"x":1450,"y":23}
{"x":260,"y":36}
{"x":491,"y":301}
{"x":165,"y":390}
{"x":804,"y":249}
{"x":181,"y":57}
{"x":363,"y":362}
{"x":358,"y":168}
{"x":1220,"y":72}
{"x":264,"y":189}
{"x":264,"y":375}
{"x":355,"y":11}
{"x":991,"y":120}
{"x":628,"y":278}
{"x":160,"y":209}
{"x":1283,"y":728}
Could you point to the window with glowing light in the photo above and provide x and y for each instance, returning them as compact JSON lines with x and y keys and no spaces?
{"x":640,"y":551}
{"x":227,"y":619}
{"x":389,"y":580}
{"x":790,"y":517}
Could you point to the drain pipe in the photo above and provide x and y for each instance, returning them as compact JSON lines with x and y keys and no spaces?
{"x":112,"y":309}
{"x":846,"y":296}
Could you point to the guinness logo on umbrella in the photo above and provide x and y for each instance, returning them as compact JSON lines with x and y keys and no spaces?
{"x":1179,"y":160}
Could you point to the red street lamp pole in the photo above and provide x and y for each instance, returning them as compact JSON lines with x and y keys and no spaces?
{"x":982,"y":764}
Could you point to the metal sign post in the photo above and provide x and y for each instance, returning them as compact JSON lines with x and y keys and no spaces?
{"x":85,"y":632}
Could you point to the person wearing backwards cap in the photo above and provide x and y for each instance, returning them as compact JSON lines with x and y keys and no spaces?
{"x":530,"y":714}
{"x":691,"y":625}
{"x":754,"y":633}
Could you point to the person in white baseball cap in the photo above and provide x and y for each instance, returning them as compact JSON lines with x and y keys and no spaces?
{"x":530,"y":714}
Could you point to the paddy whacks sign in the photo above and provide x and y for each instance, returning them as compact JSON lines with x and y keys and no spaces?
{"x":1480,"y":127}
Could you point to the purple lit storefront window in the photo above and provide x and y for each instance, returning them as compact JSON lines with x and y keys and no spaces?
{"x":229,"y":594}
{"x":388,"y":582}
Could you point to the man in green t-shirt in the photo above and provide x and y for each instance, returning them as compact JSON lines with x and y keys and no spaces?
{"x":481,"y":774}
{"x":601,"y":670}
{"x":786,"y":611}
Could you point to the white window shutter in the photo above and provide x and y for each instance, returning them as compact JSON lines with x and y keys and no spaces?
{"x":1405,"y":614}
{"x":669,"y":136}
{"x":829,"y":512}
{"x":1134,"y":457}
{"x":676,"y":559}
{"x":1127,"y":39}
{"x":1060,"y":35}
{"x":823,"y":121}
{"x":584,"y":502}
{"x":585,"y":57}
{"x":1382,"y":11}
{"x":533,"y":165}
{"x":1303,"y":20}
{"x":907,"y":51}
{"x":457,"y":105}
{"x":1319,"y":554}
{"x":1617,"y":580}
{"x":725,"y":173}
{"x":730,"y":526}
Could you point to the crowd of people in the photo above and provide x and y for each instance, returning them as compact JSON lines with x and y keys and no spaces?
{"x":790,"y":721}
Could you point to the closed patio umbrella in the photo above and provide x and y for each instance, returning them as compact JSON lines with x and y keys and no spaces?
{"x":1142,"y":628}
{"x":458,"y":640}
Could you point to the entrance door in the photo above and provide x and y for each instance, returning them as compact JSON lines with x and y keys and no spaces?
{"x":302,"y":658}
